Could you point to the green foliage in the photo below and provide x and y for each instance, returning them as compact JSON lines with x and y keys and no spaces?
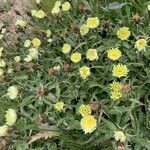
{"x":131,"y":114}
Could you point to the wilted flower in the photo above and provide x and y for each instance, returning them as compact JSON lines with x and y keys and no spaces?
{"x":48,"y":33}
{"x":12,"y":92}
{"x":11,"y":117}
{"x":88,"y":124}
{"x":10,"y":70}
{"x":55,"y":10}
{"x":33,"y":52}
{"x":28,"y":58}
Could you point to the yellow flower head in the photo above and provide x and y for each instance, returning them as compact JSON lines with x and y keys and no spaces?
{"x":85,"y":110}
{"x":91,"y":54}
{"x":55,"y":10}
{"x":11,"y":117}
{"x":21,"y":23}
{"x":66,"y":6}
{"x":84,"y":72}
{"x":57,"y":3}
{"x":1,"y":72}
{"x":17,"y":59}
{"x":116,"y":95}
{"x":120,"y":136}
{"x":12,"y":92}
{"x":114,"y":54}
{"x":40,"y":14}
{"x":59,"y":106}
{"x":33,"y":52}
{"x":123,"y":33}
{"x":33,"y":12}
{"x":66,"y":48}
{"x":28,"y":58}
{"x":84,"y":29}
{"x":116,"y":86}
{"x":36,"y":42}
{"x":48,"y":33}
{"x":148,"y":7}
{"x":2,"y":63}
{"x":93,"y":22}
{"x":75,"y":57}
{"x":120,"y":70}
{"x":141,"y":44}
{"x":27,"y":43}
{"x":3,"y":130}
{"x":88,"y":124}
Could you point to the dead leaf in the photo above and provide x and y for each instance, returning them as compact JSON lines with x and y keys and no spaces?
{"x":41,"y":135}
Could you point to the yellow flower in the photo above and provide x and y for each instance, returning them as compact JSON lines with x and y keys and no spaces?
{"x":40,"y":14}
{"x":48,"y":33}
{"x":12,"y":92}
{"x":148,"y":7}
{"x":120,"y":70}
{"x":17,"y":59}
{"x":93,"y":22}
{"x":58,"y":3}
{"x":91,"y":54}
{"x":3,"y":130}
{"x":116,"y":86}
{"x":88,"y":124}
{"x":84,"y":29}
{"x":141,"y":44}
{"x":2,"y":63}
{"x":11,"y":117}
{"x":116,"y":95}
{"x":1,"y":72}
{"x":10,"y":70}
{"x":36,"y":42}
{"x":33,"y":12}
{"x":28,"y":58}
{"x":114,"y":54}
{"x":55,"y":10}
{"x":66,"y":6}
{"x":33,"y":52}
{"x":21,"y":23}
{"x":123,"y":33}
{"x":38,"y":1}
{"x":59,"y":106}
{"x":84,"y":72}
{"x":75,"y":57}
{"x":120,"y":136}
{"x":66,"y":48}
{"x":27,"y":43}
{"x":85,"y":110}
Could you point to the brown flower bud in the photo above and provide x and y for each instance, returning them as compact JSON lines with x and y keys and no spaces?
{"x":2,"y":78}
{"x":104,"y":23}
{"x":52,"y":71}
{"x":136,"y":18}
{"x":95,"y":105}
{"x":127,"y":88}
{"x":66,"y":67}
{"x":39,"y":119}
{"x":40,"y":93}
